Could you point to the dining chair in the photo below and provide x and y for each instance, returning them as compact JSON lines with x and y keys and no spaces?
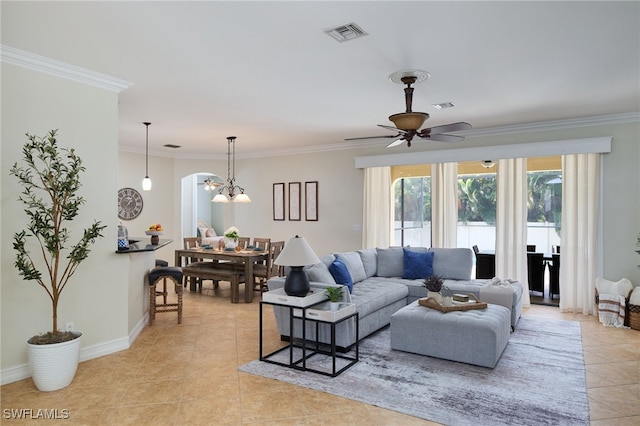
{"x":535,"y":270}
{"x":262,"y":243}
{"x":262,"y":272}
{"x":189,"y":243}
{"x":243,"y":242}
{"x":485,"y":264}
{"x":554,"y":275}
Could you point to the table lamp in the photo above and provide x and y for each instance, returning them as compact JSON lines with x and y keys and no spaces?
{"x":297,"y":254}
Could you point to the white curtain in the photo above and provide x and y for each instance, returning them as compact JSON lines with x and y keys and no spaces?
{"x":444,"y":205}
{"x":377,"y":226}
{"x":580,"y":207}
{"x":511,"y":222}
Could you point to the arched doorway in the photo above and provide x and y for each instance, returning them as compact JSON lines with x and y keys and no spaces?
{"x":196,"y":204}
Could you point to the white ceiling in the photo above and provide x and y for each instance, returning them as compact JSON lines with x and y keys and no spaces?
{"x":268,"y":74}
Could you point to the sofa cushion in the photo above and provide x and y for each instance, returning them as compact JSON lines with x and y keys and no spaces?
{"x":353,"y":262}
{"x":369,"y":259}
{"x":341,"y":274}
{"x":417,"y":264}
{"x":373,"y":294}
{"x":319,"y":273}
{"x":390,"y":262}
{"x":452,"y":263}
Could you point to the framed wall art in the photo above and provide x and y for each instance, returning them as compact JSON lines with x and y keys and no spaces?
{"x":294,"y":200}
{"x":278,"y":201}
{"x":311,"y":200}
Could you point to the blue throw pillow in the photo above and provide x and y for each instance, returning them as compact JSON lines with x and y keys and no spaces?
{"x":341,"y":274}
{"x":417,"y":265}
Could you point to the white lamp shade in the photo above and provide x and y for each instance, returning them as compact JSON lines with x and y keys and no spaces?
{"x":241,"y":198}
{"x":297,"y":252}
{"x":220,"y":198}
{"x":146,"y":184}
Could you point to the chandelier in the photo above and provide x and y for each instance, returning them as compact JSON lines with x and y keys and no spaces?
{"x":231,"y":187}
{"x":210,"y":184}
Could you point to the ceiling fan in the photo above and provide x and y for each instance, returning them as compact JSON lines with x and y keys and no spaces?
{"x":407,"y":123}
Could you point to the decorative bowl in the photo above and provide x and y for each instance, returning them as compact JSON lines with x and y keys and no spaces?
{"x":154,"y":232}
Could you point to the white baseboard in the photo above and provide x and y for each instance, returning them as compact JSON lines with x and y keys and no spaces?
{"x":21,"y":372}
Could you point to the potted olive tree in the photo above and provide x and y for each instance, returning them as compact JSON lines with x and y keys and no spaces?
{"x":50,"y":178}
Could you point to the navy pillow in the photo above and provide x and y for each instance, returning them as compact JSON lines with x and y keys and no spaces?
{"x":417,"y":265}
{"x":341,"y":274}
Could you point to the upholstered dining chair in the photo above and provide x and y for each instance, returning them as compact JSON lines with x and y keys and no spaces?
{"x":262,"y":272}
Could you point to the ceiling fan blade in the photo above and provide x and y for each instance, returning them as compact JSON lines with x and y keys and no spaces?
{"x":447,"y":128}
{"x":396,"y":142}
{"x":373,"y":137}
{"x":393,"y":129}
{"x":440,"y":137}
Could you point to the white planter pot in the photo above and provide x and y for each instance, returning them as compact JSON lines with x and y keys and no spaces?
{"x":54,"y":366}
{"x":230,"y":243}
{"x":334,"y":306}
{"x":436,"y":296}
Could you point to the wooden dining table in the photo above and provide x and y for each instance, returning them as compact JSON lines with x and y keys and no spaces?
{"x":246,"y":257}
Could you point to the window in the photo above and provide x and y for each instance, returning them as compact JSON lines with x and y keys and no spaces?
{"x":477,"y":210}
{"x":544,"y":209}
{"x":477,"y":204}
{"x":412,"y":211}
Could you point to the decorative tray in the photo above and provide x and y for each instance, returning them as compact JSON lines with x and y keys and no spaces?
{"x":474,"y":303}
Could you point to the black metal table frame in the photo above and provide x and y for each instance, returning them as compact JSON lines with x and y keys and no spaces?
{"x":301,"y":364}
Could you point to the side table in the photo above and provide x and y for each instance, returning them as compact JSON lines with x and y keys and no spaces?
{"x":309,"y":310}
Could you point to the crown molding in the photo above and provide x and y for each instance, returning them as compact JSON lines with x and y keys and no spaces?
{"x":540,"y":126}
{"x":21,"y":58}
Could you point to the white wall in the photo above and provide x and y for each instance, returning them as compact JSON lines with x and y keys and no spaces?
{"x":96,"y":297}
{"x":340,"y":192}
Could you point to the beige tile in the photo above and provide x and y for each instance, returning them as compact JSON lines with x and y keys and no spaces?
{"x":154,"y":392}
{"x":151,"y":414}
{"x":187,"y":375}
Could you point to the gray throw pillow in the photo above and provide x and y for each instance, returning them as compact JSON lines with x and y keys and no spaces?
{"x":354,"y":265}
{"x":452,"y":263}
{"x":369,"y":261}
{"x":390,"y":262}
{"x":319,"y":273}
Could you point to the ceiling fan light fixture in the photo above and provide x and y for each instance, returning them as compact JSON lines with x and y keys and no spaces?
{"x":418,"y":76}
{"x":409,"y":120}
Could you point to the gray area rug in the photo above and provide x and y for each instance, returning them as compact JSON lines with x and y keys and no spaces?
{"x":539,"y":380}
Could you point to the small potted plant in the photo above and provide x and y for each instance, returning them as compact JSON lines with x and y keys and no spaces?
{"x":231,"y":236}
{"x":335,"y":296}
{"x":50,"y":181}
{"x":433,"y":283}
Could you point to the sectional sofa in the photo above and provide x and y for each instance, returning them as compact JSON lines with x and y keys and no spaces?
{"x":384,"y":280}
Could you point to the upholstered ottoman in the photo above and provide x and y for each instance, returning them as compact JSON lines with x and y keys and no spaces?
{"x":476,"y":336}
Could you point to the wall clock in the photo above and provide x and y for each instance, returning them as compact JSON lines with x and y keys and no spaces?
{"x":129,"y":203}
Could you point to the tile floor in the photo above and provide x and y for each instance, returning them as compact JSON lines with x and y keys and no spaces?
{"x":187,"y":375}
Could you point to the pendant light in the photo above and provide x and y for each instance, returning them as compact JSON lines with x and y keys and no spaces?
{"x":146,"y":182}
{"x":231,"y":186}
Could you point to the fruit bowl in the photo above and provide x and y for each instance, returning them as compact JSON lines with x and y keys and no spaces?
{"x":154,"y":232}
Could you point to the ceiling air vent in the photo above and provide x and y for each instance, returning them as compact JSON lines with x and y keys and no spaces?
{"x":346,"y":32}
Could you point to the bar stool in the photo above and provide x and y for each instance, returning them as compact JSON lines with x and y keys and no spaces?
{"x":164,"y":273}
{"x":163,"y":293}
